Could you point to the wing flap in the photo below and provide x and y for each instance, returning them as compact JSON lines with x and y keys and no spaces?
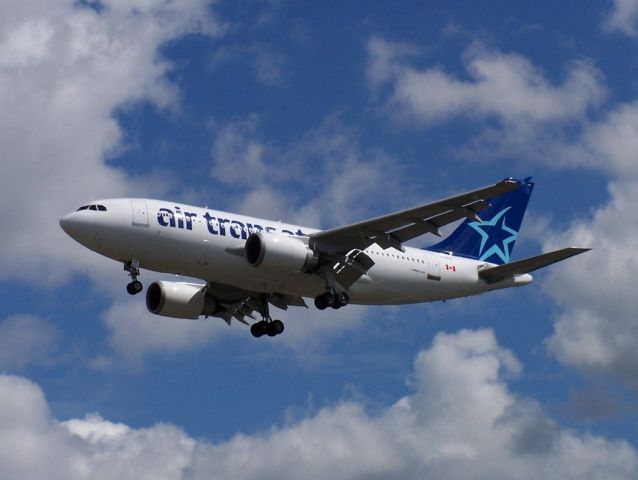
{"x":501,"y":272}
{"x":283,"y":301}
{"x":432,"y":224}
{"x":352,"y":267}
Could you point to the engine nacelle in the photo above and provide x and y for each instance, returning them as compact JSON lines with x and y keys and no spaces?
{"x":282,"y":253}
{"x":179,"y":300}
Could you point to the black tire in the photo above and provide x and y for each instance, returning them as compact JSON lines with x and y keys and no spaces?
{"x":270,"y":331}
{"x":330,"y":299}
{"x":342,"y":299}
{"x":277,"y":326}
{"x":320,"y":302}
{"x":134,"y":287}
{"x":258,"y":329}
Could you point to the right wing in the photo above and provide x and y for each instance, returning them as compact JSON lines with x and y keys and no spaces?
{"x":394,"y":229}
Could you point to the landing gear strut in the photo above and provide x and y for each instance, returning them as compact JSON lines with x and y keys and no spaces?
{"x":332,"y":297}
{"x":135,"y":286}
{"x":266,"y":326}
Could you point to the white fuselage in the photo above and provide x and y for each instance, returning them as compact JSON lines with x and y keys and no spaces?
{"x":206,"y":244}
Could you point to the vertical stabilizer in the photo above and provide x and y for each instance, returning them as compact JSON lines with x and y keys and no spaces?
{"x":491,"y":239}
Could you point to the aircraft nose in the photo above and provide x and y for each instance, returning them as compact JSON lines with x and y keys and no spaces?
{"x":77,"y":226}
{"x":70,"y":224}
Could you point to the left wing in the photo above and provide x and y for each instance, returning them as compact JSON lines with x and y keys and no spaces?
{"x":249,"y":303}
{"x":394,"y":229}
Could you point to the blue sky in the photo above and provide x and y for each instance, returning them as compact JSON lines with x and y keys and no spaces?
{"x":319,"y":113}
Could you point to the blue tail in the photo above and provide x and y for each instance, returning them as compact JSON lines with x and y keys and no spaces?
{"x":492,"y":239}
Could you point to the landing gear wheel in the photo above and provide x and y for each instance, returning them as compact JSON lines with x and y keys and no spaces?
{"x":259,"y":329}
{"x":276,"y":327}
{"x":133,"y":268}
{"x":330,"y":299}
{"x":266,"y":326}
{"x":320,"y":302}
{"x":342,"y":299}
{"x":134,"y":287}
{"x":270,"y":328}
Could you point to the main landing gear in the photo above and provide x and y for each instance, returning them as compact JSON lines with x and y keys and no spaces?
{"x":266,"y":326}
{"x":331,"y":299}
{"x":135,"y":286}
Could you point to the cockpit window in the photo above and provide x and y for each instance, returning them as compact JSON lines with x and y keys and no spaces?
{"x":95,"y":208}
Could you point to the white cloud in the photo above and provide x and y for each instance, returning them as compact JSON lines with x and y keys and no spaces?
{"x":327,"y":178}
{"x":596,"y":327}
{"x":623,"y":17}
{"x":238,"y":155}
{"x":461,"y":420}
{"x":27,"y":340}
{"x":609,"y":145}
{"x":595,"y":324}
{"x":64,"y":70}
{"x":595,"y":320}
{"x":134,"y":333}
{"x":504,"y":86}
{"x":270,"y":67}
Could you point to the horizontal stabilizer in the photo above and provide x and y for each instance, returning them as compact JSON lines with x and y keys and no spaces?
{"x":501,"y":272}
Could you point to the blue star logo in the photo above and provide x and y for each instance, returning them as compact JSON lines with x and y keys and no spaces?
{"x":496,"y":236}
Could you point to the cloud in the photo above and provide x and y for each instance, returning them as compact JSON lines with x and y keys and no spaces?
{"x":134,"y":333}
{"x":501,"y":86}
{"x":295,"y":182}
{"x":595,"y":320}
{"x":596,"y":323}
{"x":64,"y":70}
{"x":270,"y":67}
{"x":623,"y":17}
{"x":237,"y":150}
{"x":550,"y":124}
{"x":608,"y":145}
{"x":460,"y":420}
{"x":27,"y":340}
{"x":36,"y":446}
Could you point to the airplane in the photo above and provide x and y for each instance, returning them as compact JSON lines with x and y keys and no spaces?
{"x":249,"y":263}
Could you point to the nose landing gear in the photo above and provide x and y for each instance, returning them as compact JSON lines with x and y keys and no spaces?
{"x":135,"y":286}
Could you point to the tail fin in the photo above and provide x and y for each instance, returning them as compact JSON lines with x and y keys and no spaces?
{"x":492,"y":239}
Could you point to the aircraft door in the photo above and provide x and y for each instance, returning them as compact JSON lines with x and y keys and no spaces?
{"x":434,"y":268}
{"x":140,"y":213}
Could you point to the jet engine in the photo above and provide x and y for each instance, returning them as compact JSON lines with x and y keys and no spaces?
{"x":179,"y":300}
{"x":281,"y":253}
